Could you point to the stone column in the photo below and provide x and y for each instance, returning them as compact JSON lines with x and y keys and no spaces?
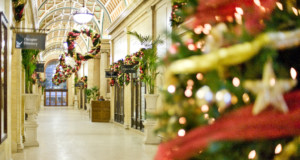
{"x":127,"y":106}
{"x":103,"y":80}
{"x":71,"y":93}
{"x":16,"y":99}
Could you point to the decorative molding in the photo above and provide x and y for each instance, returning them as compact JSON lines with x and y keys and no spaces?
{"x":123,"y":16}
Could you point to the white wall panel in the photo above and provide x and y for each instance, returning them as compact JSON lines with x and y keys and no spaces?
{"x":142,"y":26}
{"x":120,"y":47}
{"x":163,"y":26}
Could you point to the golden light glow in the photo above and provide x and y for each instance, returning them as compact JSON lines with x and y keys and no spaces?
{"x":171,"y":89}
{"x":272,"y":82}
{"x":199,"y":76}
{"x":206,"y":116}
{"x":293,"y":73}
{"x":234,"y":100}
{"x":295,"y":11}
{"x":217,"y":18}
{"x":192,"y":47}
{"x":252,"y":154}
{"x":246,"y":98}
{"x":211,"y":121}
{"x":257,"y":2}
{"x":279,"y":5}
{"x":188,"y":93}
{"x":236,"y":82}
{"x":204,"y":108}
{"x":278,"y":149}
{"x":239,"y":10}
{"x":182,"y":120}
{"x":199,"y":44}
{"x":238,"y":18}
{"x":181,"y":133}
{"x":207,"y":26}
{"x":198,"y":29}
{"x":229,"y":19}
{"x":190,"y":82}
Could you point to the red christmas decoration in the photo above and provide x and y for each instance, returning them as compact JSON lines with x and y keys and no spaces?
{"x":239,"y":125}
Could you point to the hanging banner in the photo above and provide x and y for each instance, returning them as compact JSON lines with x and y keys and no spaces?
{"x":31,"y":40}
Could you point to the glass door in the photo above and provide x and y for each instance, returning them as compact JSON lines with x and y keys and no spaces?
{"x":56,"y":97}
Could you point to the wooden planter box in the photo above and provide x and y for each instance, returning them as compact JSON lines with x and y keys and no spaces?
{"x":100,"y":111}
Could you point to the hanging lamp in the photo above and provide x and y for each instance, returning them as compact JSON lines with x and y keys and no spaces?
{"x":82,"y":16}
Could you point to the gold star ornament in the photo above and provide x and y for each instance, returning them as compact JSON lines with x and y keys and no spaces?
{"x":269,"y":91}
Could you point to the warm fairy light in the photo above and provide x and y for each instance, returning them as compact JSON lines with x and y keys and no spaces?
{"x":171,"y":89}
{"x":236,"y":81}
{"x":182,"y":120}
{"x":211,"y":121}
{"x":279,"y":5}
{"x":198,"y":29}
{"x":272,"y":82}
{"x":278,"y":149}
{"x":206,"y":31}
{"x":239,"y":10}
{"x":199,"y":76}
{"x":263,"y":9}
{"x":229,"y":18}
{"x":206,"y":116}
{"x":218,"y":18}
{"x":207,"y":26}
{"x":293,"y":73}
{"x":252,"y":154}
{"x":205,"y":93}
{"x":192,"y":47}
{"x":234,"y":100}
{"x":246,"y":98}
{"x":199,"y":44}
{"x":238,"y":18}
{"x":295,"y":11}
{"x":257,"y":2}
{"x":190,"y":82}
{"x":188,"y":93}
{"x":181,"y":132}
{"x":173,"y":49}
{"x":189,"y":87}
{"x":204,"y":108}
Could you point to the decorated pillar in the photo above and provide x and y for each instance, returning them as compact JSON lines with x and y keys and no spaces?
{"x":103,"y":80}
{"x":16,"y":99}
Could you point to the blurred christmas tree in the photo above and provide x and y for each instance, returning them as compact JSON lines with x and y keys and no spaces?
{"x":231,"y":88}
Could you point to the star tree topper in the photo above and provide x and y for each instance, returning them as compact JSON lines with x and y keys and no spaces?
{"x":269,"y":90}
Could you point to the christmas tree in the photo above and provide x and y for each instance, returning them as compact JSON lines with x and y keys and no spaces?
{"x":231,"y":90}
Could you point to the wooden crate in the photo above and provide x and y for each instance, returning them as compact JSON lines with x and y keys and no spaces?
{"x":100,"y":111}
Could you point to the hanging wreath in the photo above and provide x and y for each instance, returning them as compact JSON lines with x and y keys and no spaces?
{"x":70,"y":62}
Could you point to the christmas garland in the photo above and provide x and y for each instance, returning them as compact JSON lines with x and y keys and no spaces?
{"x":18,"y":8}
{"x":176,"y":18}
{"x":64,"y":70}
{"x":133,"y":59}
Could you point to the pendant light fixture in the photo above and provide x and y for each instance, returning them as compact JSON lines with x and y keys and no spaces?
{"x":82,"y":16}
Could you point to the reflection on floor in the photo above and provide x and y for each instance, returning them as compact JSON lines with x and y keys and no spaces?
{"x":67,"y":134}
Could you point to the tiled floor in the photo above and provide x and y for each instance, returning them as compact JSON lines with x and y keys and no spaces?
{"x":67,"y":134}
